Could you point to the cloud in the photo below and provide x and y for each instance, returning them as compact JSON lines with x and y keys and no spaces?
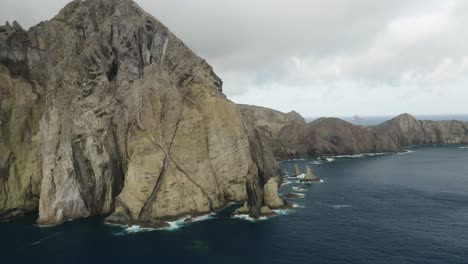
{"x":319,"y":57}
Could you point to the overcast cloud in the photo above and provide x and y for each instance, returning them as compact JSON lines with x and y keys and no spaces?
{"x":320,"y":58}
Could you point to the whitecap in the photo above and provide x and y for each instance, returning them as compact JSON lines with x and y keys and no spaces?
{"x":464,"y":147}
{"x":286,"y":182}
{"x":339,"y":206}
{"x":281,"y":211}
{"x":330,"y":159}
{"x":248,"y":218}
{"x":300,"y":194}
{"x":316,"y":162}
{"x":299,"y":189}
{"x":297,"y":206}
{"x":302,"y":176}
{"x":321,"y":180}
{"x":334,"y":206}
{"x":406,"y":152}
{"x":173,"y":225}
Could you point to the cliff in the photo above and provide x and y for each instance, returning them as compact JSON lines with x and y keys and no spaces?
{"x":104,"y":111}
{"x":291,"y":137}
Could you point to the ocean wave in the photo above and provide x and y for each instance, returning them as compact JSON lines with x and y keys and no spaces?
{"x":173,"y":225}
{"x":335,"y":206}
{"x":302,"y":176}
{"x":339,"y":206}
{"x":297,"y":206}
{"x":464,"y":147}
{"x":408,"y":151}
{"x":299,"y":189}
{"x":248,"y":218}
{"x":281,"y":211}
{"x":316,"y":162}
{"x":289,"y":160}
{"x":286,"y":182}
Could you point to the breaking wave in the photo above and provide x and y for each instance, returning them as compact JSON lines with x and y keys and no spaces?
{"x":335,"y":206}
{"x":408,"y":151}
{"x":173,"y":225}
{"x":248,"y":218}
{"x":299,"y":189}
{"x":464,"y":147}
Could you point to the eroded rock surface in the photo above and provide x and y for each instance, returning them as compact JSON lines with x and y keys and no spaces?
{"x":289,"y":136}
{"x":104,"y":110}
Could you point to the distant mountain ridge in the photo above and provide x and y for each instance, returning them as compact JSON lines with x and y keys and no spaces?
{"x":290,"y":138}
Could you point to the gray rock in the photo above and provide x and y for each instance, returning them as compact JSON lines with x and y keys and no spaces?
{"x":105,"y":111}
{"x":289,"y":137}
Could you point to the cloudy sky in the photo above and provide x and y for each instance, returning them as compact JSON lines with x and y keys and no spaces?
{"x":319,"y":57}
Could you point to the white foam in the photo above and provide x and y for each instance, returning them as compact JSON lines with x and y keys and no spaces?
{"x":297,"y":206}
{"x":330,"y":159}
{"x":286,"y":182}
{"x":335,"y":206}
{"x":406,"y":152}
{"x":295,"y":159}
{"x":248,"y":218}
{"x":339,"y":206}
{"x":173,"y":225}
{"x":302,"y":176}
{"x":321,"y":180}
{"x":464,"y":147}
{"x":362,"y":155}
{"x":300,"y":194}
{"x":281,"y":211}
{"x":316,"y":162}
{"x":299,"y":189}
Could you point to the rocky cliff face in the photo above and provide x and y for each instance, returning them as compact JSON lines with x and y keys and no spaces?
{"x":104,"y":110}
{"x":405,"y":130}
{"x":289,"y":136}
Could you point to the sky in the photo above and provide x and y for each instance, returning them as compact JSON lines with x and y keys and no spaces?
{"x":318,"y":57}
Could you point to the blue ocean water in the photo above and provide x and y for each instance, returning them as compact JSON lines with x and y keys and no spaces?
{"x":408,"y":208}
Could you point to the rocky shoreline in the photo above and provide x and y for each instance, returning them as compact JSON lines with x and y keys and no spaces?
{"x":104,"y":111}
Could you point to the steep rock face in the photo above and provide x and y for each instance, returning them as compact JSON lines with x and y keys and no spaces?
{"x":289,"y":137}
{"x":333,"y":136}
{"x":20,"y":176}
{"x":405,"y":130}
{"x":275,"y":127}
{"x":112,"y":113}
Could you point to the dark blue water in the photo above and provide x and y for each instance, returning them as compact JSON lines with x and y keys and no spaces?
{"x":410,"y":208}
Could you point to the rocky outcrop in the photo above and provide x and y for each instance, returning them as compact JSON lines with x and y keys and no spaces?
{"x":309,"y":176}
{"x":271,"y":197}
{"x":105,"y":111}
{"x":290,"y":137}
{"x":405,"y":130}
{"x":276,"y":127}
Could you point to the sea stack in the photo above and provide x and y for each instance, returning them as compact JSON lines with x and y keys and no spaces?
{"x":310,"y":177}
{"x":297,"y":171}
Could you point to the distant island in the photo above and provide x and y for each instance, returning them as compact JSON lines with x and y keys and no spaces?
{"x":104,"y":111}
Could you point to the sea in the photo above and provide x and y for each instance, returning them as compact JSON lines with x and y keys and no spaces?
{"x":410,"y":207}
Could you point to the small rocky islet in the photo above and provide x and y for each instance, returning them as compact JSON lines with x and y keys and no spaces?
{"x":104,"y":111}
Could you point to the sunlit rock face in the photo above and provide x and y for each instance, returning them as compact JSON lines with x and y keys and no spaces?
{"x":105,"y":111}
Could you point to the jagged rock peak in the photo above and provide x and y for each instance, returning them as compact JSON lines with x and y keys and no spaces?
{"x":124,"y":119}
{"x":405,"y":117}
